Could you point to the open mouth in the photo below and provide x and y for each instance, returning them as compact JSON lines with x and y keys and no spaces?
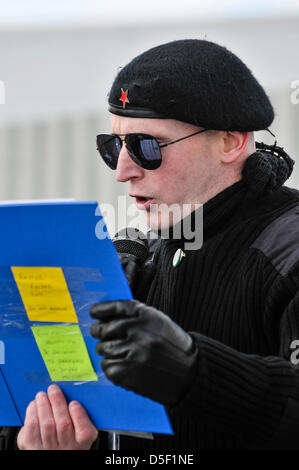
{"x":143,"y":202}
{"x":142,"y":198}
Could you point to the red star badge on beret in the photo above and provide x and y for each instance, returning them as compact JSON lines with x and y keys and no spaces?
{"x":124,"y":97}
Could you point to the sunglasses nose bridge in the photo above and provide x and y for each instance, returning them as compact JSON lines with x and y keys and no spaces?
{"x":122,"y":146}
{"x":126,"y":168}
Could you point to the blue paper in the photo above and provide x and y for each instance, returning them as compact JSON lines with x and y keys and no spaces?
{"x":8,"y":412}
{"x":63,"y":235}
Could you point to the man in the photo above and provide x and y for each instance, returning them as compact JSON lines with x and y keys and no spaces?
{"x":213,"y":340}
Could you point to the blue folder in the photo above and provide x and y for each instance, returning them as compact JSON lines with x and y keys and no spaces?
{"x":63,"y":234}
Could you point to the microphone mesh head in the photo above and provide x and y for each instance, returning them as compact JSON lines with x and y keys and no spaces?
{"x":132,"y":241}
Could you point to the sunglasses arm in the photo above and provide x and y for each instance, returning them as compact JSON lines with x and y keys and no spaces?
{"x":183,"y":138}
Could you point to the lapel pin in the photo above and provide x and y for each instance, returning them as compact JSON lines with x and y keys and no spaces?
{"x":177,"y":258}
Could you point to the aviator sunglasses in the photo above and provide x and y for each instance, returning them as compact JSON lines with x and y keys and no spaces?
{"x":144,"y":149}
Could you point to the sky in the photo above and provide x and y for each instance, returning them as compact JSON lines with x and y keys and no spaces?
{"x":24,"y":14}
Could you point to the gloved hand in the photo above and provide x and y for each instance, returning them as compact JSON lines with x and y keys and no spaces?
{"x":139,"y":278}
{"x":144,"y":350}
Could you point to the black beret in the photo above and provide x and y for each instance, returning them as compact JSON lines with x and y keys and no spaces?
{"x":194,"y":81}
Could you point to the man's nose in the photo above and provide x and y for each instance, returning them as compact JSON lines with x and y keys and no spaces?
{"x":126,"y":168}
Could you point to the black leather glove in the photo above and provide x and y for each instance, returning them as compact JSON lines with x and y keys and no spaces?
{"x":144,"y":350}
{"x":139,"y":278}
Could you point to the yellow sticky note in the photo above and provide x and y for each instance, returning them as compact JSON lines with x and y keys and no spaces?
{"x":64,"y":352}
{"x":45,"y":294}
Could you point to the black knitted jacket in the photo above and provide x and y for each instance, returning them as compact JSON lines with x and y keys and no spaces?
{"x":238,"y":296}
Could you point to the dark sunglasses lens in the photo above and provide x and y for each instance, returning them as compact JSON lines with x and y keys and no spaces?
{"x":109,"y":147}
{"x":144,"y":150}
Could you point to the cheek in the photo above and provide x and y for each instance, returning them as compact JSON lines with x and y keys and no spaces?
{"x":172,"y":174}
{"x":180,"y":178}
{"x":171,"y":186}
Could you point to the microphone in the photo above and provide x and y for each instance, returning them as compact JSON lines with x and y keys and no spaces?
{"x":133,"y":250}
{"x":132,"y":243}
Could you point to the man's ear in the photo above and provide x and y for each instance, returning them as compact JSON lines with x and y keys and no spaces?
{"x":233,"y":145}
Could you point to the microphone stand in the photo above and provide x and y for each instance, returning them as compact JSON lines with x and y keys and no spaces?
{"x":113,"y":440}
{"x":132,"y":242}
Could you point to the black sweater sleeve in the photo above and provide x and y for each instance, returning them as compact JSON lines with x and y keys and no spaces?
{"x":8,"y":438}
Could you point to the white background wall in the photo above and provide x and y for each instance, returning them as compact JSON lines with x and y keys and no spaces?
{"x":57,"y":80}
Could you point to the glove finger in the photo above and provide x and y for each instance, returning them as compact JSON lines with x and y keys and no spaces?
{"x":95,"y":330}
{"x":114,"y":370}
{"x":106,"y":311}
{"x":113,"y":349}
{"x":131,"y":271}
{"x":114,"y":329}
{"x":143,"y":285}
